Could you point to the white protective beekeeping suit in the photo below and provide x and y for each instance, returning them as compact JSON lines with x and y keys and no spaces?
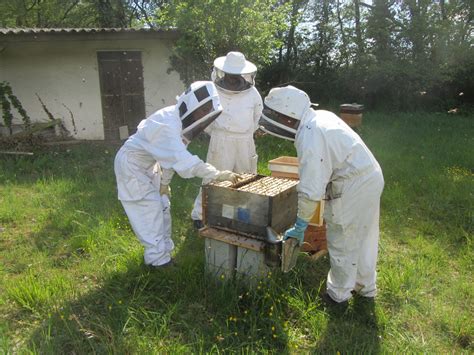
{"x":232,"y":146}
{"x":334,"y":161}
{"x":160,"y":143}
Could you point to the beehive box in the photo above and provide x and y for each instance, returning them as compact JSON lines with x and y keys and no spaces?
{"x":251,"y":205}
{"x":315,"y":235}
{"x":314,"y":239}
{"x":351,"y":114}
{"x":287,"y":167}
{"x":284,"y":167}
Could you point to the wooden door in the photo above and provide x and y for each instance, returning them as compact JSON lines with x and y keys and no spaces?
{"x":121,"y":89}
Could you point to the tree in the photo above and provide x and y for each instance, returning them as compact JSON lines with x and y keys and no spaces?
{"x":212,"y":28}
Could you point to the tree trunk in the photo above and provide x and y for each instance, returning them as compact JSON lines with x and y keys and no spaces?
{"x":344,"y":56}
{"x":358,"y":30}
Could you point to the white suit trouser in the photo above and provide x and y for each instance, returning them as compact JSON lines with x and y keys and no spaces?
{"x":352,"y":236}
{"x":151,"y":222}
{"x":227,"y":151}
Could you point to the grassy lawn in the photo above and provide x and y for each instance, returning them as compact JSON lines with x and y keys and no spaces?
{"x":72,"y":278}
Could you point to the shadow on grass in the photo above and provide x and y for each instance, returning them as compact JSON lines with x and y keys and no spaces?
{"x":351,"y":330}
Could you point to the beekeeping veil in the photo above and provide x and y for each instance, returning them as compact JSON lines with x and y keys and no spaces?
{"x":233,"y":73}
{"x":198,"y":107}
{"x":283,"y":110}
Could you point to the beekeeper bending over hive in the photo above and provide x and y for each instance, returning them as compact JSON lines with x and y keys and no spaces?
{"x":160,"y":145}
{"x":333,"y":162}
{"x":232,"y":145}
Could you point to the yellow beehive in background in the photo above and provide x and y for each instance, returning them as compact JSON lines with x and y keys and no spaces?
{"x":351,"y":114}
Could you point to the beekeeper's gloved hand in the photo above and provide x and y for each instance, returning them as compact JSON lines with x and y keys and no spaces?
{"x":165,"y":190}
{"x":227,"y":175}
{"x":297,"y":231}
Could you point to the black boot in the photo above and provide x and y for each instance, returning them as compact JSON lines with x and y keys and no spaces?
{"x":197,"y":223}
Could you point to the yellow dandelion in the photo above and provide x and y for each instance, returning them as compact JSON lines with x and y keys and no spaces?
{"x":120,"y":302}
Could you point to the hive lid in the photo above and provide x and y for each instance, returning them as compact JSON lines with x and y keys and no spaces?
{"x":351,"y":108}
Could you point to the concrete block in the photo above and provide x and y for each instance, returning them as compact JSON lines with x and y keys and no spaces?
{"x":221,"y":258}
{"x":251,"y":263}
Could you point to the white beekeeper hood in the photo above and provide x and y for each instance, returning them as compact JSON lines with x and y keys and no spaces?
{"x":283,"y":110}
{"x":190,"y":106}
{"x":234,"y":73}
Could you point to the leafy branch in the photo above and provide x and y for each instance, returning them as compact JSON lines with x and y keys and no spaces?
{"x":8,"y":100}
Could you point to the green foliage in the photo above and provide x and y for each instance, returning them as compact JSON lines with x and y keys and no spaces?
{"x":70,"y":13}
{"x":212,"y":28}
{"x":8,"y":100}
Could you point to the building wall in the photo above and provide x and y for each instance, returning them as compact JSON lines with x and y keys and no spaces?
{"x":64,"y":74}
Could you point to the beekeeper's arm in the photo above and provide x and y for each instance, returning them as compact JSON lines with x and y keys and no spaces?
{"x":167,"y":147}
{"x":315,"y":170}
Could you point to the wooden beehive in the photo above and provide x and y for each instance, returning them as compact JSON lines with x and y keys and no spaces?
{"x":287,"y":167}
{"x":315,"y":235}
{"x":251,"y":205}
{"x":284,"y":167}
{"x":351,"y":114}
{"x":315,"y":239}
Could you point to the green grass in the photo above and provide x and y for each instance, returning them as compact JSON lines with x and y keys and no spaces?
{"x":72,"y":278}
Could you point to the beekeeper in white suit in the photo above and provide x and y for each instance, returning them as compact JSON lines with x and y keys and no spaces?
{"x":159,"y":145}
{"x":335,"y":163}
{"x":232,"y":145}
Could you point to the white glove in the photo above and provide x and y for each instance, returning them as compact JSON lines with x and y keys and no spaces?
{"x":227,"y":175}
{"x":306,"y":207}
{"x":166,"y":176}
{"x":165,"y":190}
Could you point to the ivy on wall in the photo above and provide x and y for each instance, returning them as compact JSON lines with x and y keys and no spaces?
{"x":8,"y":100}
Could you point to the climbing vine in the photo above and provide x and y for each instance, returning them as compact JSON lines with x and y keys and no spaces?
{"x":7,"y":99}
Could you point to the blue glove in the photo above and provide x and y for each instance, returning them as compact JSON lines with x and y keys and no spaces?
{"x":297,"y":231}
